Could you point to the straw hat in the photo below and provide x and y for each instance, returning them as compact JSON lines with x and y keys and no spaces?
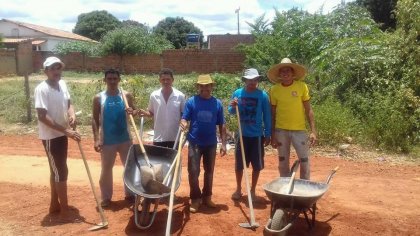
{"x":274,"y":75}
{"x":204,"y":79}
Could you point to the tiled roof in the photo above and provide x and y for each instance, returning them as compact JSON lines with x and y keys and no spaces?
{"x":37,"y":42}
{"x":20,"y":40}
{"x":51,"y":31}
{"x":15,"y":40}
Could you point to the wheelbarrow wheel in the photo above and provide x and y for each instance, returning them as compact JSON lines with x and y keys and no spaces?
{"x":279,"y":220}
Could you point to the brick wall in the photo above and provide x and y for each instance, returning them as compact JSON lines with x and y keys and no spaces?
{"x":17,"y":60}
{"x":181,"y":61}
{"x":228,"y":42}
{"x":7,"y":62}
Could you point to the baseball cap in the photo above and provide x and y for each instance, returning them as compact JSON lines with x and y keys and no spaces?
{"x":51,"y":61}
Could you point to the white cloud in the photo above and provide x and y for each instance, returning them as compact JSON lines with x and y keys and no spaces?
{"x":212,"y":17}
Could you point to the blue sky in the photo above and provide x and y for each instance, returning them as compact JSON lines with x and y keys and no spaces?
{"x":212,"y":17}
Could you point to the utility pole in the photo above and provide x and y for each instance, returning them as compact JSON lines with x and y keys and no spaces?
{"x":237,"y":13}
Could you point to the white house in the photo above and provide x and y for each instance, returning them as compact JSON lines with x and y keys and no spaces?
{"x":43,"y":38}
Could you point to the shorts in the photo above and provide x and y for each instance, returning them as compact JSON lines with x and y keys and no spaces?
{"x":254,"y":153}
{"x":56,"y":150}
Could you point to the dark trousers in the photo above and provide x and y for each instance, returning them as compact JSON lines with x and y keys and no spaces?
{"x":195,"y":153}
{"x":56,"y":150}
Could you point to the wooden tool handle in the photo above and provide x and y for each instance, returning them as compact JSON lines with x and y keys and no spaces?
{"x":251,"y":207}
{"x":135,"y":129}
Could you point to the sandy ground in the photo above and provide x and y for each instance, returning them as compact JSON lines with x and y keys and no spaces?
{"x":365,"y":197}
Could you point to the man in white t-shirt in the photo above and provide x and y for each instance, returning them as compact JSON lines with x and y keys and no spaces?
{"x":165,"y":106}
{"x":56,"y":120}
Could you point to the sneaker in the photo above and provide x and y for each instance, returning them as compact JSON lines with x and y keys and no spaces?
{"x":208,"y":202}
{"x":105,"y":203}
{"x":236,"y":195}
{"x":195,"y":204}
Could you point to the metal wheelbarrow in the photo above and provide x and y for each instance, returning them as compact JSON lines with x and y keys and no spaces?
{"x":132,"y":178}
{"x":286,"y":208}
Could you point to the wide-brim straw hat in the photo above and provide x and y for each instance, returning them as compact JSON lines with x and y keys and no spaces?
{"x":273,"y":73}
{"x":204,"y":79}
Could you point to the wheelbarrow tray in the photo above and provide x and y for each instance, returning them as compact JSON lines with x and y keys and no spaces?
{"x":305,"y":193}
{"x":135,"y":159}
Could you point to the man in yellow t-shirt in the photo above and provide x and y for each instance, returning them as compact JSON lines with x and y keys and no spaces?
{"x":290,"y":106}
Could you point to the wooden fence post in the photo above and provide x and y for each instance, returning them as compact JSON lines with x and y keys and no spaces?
{"x":28,"y":99}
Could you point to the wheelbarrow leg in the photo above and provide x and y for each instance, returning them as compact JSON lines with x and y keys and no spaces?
{"x":313,"y":214}
{"x":145,"y":218}
{"x":312,"y":210}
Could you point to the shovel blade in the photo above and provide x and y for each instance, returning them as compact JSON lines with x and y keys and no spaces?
{"x":156,"y":187}
{"x":102,"y":225}
{"x":247,"y":225}
{"x":148,"y":173}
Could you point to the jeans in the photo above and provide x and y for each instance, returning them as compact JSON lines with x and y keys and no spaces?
{"x":299,"y":140}
{"x":195,"y":153}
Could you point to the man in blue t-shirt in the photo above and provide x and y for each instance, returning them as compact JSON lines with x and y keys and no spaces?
{"x":204,"y":112}
{"x":111,"y":132}
{"x":254,"y":109}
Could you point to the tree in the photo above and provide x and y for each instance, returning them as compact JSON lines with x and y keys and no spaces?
{"x":133,"y":40}
{"x":95,"y":24}
{"x":176,"y":29}
{"x":86,"y":48}
{"x":260,"y":25}
{"x":126,"y":23}
{"x":382,"y":11}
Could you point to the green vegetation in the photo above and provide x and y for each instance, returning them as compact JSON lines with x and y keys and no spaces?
{"x":96,"y":24}
{"x":132,"y":40}
{"x":368,"y":76}
{"x":128,"y":40}
{"x":382,"y":12}
{"x":364,"y":82}
{"x":175,"y":30}
{"x":86,"y":48}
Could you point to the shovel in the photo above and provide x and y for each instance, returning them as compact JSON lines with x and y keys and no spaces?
{"x":148,"y":172}
{"x":156,"y":187}
{"x":252,"y":224}
{"x":171,"y":198}
{"x":104,"y":223}
{"x":288,"y":189}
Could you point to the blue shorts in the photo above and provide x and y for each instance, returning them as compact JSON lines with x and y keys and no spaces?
{"x":254,"y":153}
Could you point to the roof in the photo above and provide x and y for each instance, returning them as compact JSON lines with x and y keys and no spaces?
{"x":15,"y":40}
{"x":51,"y":31}
{"x":20,"y":40}
{"x":37,"y":42}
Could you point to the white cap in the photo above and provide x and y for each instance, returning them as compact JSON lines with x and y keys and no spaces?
{"x":251,"y":73}
{"x":51,"y":61}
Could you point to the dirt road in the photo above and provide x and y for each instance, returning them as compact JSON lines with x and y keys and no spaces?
{"x":365,"y":197}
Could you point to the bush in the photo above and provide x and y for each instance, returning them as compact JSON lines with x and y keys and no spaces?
{"x":335,"y":122}
{"x":392,"y":120}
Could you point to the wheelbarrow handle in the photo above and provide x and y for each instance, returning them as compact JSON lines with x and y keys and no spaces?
{"x":331,"y":174}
